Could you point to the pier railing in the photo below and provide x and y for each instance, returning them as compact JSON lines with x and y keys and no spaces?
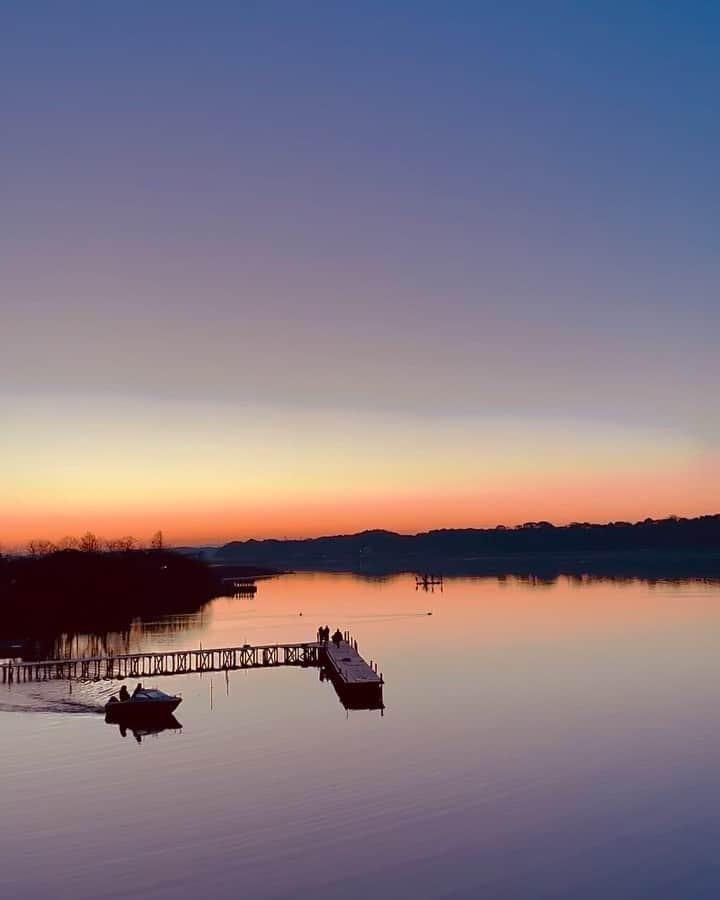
{"x":164,"y":662}
{"x":343,"y":660}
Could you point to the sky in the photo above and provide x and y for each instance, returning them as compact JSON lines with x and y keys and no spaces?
{"x":288,"y":269}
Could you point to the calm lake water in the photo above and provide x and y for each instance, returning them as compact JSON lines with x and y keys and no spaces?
{"x":539,"y":741}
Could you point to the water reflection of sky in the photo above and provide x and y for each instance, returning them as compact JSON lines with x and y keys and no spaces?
{"x":553,"y":742}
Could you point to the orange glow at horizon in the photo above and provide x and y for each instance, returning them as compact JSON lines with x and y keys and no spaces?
{"x":279,"y":473}
{"x":604,"y":499}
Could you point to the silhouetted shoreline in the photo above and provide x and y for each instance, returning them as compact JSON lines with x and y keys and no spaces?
{"x":71,"y":589}
{"x":665,"y":548}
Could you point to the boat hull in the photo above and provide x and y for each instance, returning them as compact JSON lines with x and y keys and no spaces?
{"x":133,"y":711}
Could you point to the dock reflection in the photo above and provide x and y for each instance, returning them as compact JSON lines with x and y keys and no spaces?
{"x":355,"y":697}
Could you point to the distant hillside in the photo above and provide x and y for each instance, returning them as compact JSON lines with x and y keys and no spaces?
{"x":686,"y":543}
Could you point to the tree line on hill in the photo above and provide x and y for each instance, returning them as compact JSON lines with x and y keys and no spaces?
{"x":95,"y":585}
{"x":91,"y":543}
{"x":672,"y":535}
{"x":88,"y":584}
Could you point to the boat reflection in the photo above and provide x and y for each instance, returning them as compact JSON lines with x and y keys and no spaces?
{"x":151,"y":727}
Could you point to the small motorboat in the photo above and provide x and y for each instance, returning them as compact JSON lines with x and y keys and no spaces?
{"x":143,"y":704}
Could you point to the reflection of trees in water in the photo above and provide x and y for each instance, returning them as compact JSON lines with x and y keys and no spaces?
{"x":713,"y":581}
{"x":588,"y":579}
{"x":534,"y":580}
{"x":71,"y":645}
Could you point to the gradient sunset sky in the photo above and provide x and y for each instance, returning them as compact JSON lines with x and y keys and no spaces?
{"x":298,"y":268}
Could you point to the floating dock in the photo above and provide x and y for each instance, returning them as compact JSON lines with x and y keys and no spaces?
{"x":429,"y":582}
{"x":347,"y":664}
{"x":357,"y":682}
{"x":240,"y":586}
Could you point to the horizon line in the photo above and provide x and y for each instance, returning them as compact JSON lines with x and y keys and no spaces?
{"x":499,"y":527}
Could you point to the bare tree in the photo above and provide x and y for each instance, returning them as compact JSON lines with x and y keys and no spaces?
{"x":41,"y":547}
{"x":121,"y":544}
{"x":45,"y":548}
{"x":68,"y":543}
{"x":156,"y":542}
{"x":89,"y":543}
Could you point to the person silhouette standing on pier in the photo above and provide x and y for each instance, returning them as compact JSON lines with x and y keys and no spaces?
{"x":337,"y":637}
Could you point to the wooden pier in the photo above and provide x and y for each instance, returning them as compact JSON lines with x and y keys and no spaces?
{"x":351,"y":675}
{"x":347,"y":664}
{"x":240,"y":586}
{"x":356,"y":682}
{"x":429,"y":582}
{"x":171,"y":662}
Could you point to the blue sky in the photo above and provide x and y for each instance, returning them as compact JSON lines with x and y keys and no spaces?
{"x":453,"y":212}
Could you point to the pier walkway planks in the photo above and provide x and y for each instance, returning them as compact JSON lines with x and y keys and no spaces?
{"x":348,"y":665}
